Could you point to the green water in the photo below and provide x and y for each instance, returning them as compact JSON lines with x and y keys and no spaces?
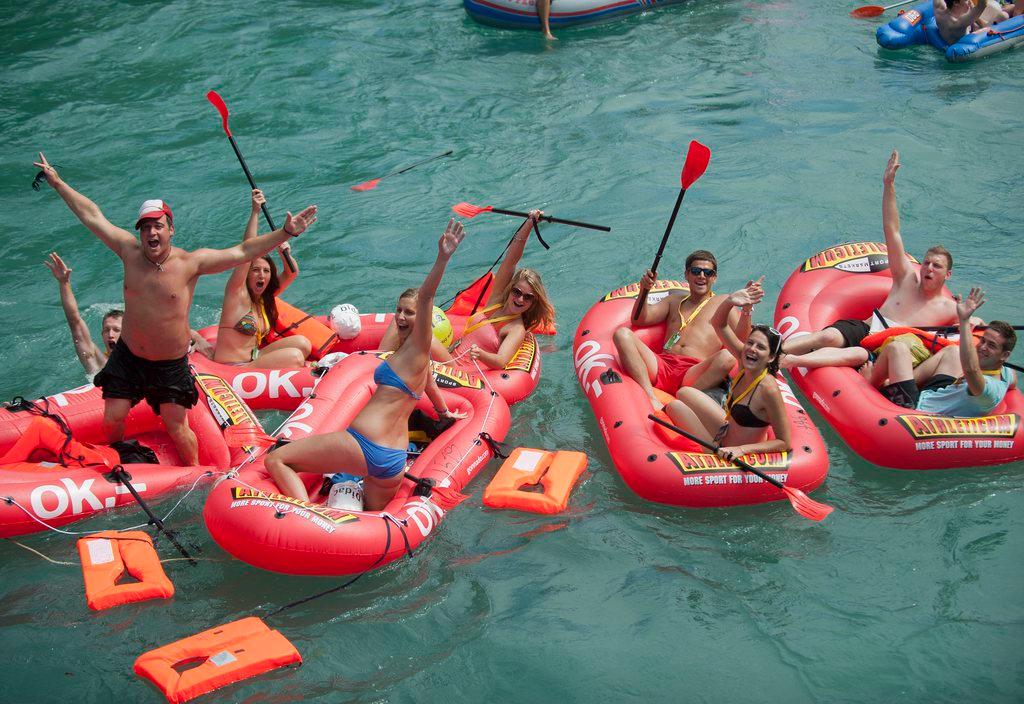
{"x":910,"y":591}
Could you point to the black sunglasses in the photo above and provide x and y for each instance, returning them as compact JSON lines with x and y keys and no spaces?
{"x":698,"y":270}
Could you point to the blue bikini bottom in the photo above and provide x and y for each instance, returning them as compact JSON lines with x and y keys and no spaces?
{"x":381,"y":462}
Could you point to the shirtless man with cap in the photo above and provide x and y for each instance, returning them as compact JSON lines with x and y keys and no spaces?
{"x":150,"y":358}
{"x":915,"y":299}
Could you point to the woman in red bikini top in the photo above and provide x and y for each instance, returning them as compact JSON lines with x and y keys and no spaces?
{"x":249,"y":311}
{"x":517,"y":305}
{"x":754,"y":403}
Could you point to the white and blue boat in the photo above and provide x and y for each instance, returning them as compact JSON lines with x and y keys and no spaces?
{"x":521,"y":14}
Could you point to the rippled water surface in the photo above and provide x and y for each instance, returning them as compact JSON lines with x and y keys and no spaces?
{"x":910,"y":591}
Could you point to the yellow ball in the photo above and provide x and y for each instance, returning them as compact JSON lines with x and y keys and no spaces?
{"x":442,"y":327}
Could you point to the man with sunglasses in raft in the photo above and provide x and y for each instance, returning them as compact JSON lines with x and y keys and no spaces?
{"x":691,"y":354}
{"x":915,"y":300}
{"x":150,"y":361}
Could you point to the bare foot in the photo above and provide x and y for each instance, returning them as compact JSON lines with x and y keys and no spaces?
{"x":549,"y":35}
{"x":866,"y":369}
{"x":658,"y":405}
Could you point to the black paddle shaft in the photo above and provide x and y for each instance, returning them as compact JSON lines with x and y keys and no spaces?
{"x":661,"y":250}
{"x":252,"y":184}
{"x":668,"y":231}
{"x":562,"y":221}
{"x":735,"y":460}
{"x":120,"y":475}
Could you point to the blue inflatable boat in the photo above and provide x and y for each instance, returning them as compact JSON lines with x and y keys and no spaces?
{"x":520,"y":14}
{"x":917,"y":26}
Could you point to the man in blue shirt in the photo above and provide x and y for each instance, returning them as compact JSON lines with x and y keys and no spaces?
{"x":963,"y":380}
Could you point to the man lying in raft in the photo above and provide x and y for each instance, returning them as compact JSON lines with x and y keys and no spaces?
{"x":89,"y":353}
{"x":956,"y":18}
{"x":150,"y":358}
{"x":692,"y":354}
{"x":915,"y":299}
{"x":963,"y":380}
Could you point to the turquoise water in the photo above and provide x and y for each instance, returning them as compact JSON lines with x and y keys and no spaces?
{"x":911,"y":590}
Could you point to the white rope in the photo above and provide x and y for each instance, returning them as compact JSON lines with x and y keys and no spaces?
{"x":11,"y":500}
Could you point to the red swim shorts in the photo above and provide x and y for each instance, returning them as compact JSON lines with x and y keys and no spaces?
{"x":671,"y":370}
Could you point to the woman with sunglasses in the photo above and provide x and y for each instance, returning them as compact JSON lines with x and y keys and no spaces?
{"x":754,"y":403}
{"x":518,"y":304}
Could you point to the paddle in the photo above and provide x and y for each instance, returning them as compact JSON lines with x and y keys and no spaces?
{"x":246,"y":434}
{"x":119,"y":473}
{"x":218,"y":103}
{"x":876,"y":10}
{"x":372,"y":183}
{"x":802,"y":503}
{"x":697,"y":158}
{"x":468,"y":210}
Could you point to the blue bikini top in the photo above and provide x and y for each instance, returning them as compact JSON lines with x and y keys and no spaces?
{"x":384,"y":375}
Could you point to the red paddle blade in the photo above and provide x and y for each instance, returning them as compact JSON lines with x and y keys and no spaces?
{"x":246,"y":435}
{"x":366,"y":185}
{"x":468,"y":210}
{"x":446,"y":498}
{"x":867,"y":11}
{"x":805,"y":505}
{"x":218,"y":103}
{"x":697,"y":158}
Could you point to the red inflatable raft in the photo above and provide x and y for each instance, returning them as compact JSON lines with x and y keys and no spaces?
{"x":284,"y":389}
{"x":34,"y":495}
{"x":655,"y":467}
{"x":250,"y":519}
{"x":849,"y":281}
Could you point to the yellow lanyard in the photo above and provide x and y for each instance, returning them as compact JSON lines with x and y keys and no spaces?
{"x":489,"y":321}
{"x":686,"y":321}
{"x":261,"y":335}
{"x":731,"y":400}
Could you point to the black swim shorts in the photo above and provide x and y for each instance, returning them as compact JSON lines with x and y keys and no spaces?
{"x":134,"y":378}
{"x":853,"y":331}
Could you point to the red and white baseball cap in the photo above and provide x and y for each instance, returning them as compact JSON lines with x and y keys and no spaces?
{"x":153,"y":209}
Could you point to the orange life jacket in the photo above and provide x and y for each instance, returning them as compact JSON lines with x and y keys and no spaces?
{"x":556,"y":472}
{"x":229,"y":653}
{"x":105,"y":558}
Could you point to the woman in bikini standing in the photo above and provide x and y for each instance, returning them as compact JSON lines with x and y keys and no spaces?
{"x":754,"y":403}
{"x":374,"y":445}
{"x":518,"y":304}
{"x":249,"y":311}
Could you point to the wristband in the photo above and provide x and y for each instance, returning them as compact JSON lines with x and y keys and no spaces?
{"x":290,"y":234}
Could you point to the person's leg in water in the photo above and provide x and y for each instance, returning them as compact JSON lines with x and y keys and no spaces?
{"x":544,"y":13}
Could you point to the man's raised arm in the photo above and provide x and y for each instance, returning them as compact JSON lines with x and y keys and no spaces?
{"x":212,"y":261}
{"x":891,"y":220}
{"x":85,"y":210}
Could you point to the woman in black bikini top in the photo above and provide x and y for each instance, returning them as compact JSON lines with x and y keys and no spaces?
{"x":754,"y":404}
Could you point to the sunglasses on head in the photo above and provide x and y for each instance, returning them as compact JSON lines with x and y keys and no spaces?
{"x":520,"y":293}
{"x":773,"y":331}
{"x":698,"y":270}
